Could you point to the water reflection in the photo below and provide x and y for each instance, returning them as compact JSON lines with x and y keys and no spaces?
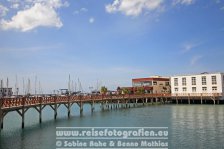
{"x":195,"y":126}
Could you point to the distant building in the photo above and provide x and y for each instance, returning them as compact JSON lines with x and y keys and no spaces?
{"x":205,"y":83}
{"x":5,"y":92}
{"x":154,"y":84}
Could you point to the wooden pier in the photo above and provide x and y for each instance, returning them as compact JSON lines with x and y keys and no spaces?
{"x":22,"y":104}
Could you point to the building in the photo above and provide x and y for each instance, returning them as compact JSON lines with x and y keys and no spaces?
{"x":5,"y":92}
{"x":204,"y":83}
{"x":154,"y":84}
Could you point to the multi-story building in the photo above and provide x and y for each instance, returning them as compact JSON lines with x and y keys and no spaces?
{"x":154,"y":84}
{"x":204,"y":83}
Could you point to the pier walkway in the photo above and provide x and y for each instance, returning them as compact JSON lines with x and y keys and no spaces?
{"x":21,"y":104}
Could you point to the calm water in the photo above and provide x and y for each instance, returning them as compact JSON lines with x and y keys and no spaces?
{"x":190,"y":126}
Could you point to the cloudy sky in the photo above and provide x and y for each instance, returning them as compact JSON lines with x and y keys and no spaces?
{"x":108,"y":41}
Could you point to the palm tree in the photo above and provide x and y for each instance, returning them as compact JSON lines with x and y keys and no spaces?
{"x":103,"y":90}
{"x":140,"y":90}
{"x":125,"y":91}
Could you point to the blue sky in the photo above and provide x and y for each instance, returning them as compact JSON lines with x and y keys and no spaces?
{"x":108,"y":41}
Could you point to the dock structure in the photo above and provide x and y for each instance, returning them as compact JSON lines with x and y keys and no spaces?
{"x":21,"y":104}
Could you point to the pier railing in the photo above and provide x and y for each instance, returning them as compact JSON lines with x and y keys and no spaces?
{"x":8,"y":102}
{"x":197,"y":94}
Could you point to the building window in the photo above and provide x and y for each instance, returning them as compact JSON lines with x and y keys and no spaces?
{"x":214,"y":81}
{"x":167,"y":83}
{"x":214,"y":88}
{"x":155,"y":83}
{"x":147,"y":83}
{"x":194,"y":89}
{"x":193,"y":80}
{"x":175,"y":81}
{"x":137,"y":84}
{"x":176,"y":89}
{"x":204,"y":88}
{"x":184,"y":89}
{"x":184,"y":83}
{"x":203,"y":80}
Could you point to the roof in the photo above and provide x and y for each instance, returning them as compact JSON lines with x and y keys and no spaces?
{"x":150,"y":79}
{"x":134,"y":88}
{"x":203,"y":73}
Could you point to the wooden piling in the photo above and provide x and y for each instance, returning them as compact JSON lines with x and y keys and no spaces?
{"x":40,"y":110}
{"x":81,"y":108}
{"x":69,"y":106}
{"x":1,"y":113}
{"x":23,"y":112}
{"x":55,"y":108}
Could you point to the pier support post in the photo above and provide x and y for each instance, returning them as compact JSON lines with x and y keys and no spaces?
{"x":201,"y":99}
{"x":1,"y":113}
{"x":40,"y":111}
{"x":81,"y":108}
{"x":40,"y":115}
{"x":136,"y":102}
{"x":126,"y":104}
{"x":176,"y":100}
{"x":1,"y":120}
{"x":92,"y":106}
{"x":69,"y":107}
{"x":117,"y":107}
{"x":151,"y":100}
{"x":55,"y":108}
{"x":23,"y":112}
{"x":189,"y":102}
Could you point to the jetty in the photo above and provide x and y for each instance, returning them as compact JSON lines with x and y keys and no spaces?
{"x":21,"y":104}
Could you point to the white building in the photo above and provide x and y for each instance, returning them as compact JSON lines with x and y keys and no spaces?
{"x":205,"y":83}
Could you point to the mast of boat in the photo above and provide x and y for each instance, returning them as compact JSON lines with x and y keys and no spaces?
{"x":1,"y":87}
{"x":7,"y":83}
{"x":75,"y":87}
{"x":16,"y":87}
{"x":28,"y":87}
{"x":80,"y":86}
{"x":72,"y":86}
{"x":40,"y":88}
{"x":69,"y":85}
{"x":23,"y":87}
{"x":2,"y":84}
{"x":35,"y":85}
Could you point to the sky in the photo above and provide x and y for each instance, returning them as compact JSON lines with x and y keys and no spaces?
{"x":108,"y":42}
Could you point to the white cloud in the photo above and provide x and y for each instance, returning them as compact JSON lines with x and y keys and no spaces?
{"x":189,"y":46}
{"x":134,"y":7}
{"x":3,"y":10}
{"x":91,"y":20}
{"x":195,"y":59}
{"x":222,"y":8}
{"x":38,"y":15}
{"x":51,"y":3}
{"x":183,"y":2}
{"x":82,"y":10}
{"x":35,"y":13}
